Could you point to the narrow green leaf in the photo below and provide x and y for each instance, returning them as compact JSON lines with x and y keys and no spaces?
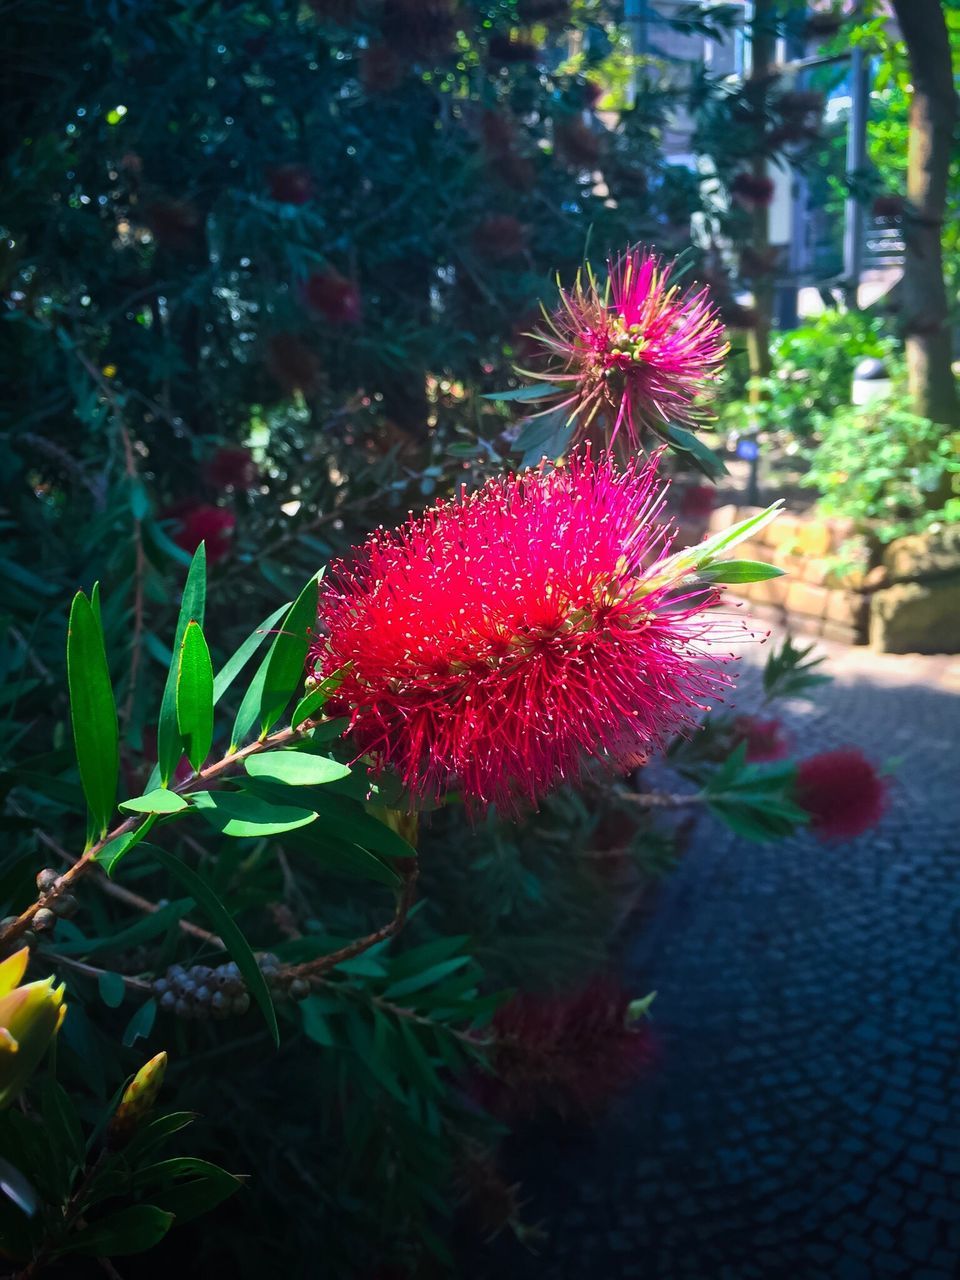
{"x":141,"y":1024}
{"x":539,"y":391}
{"x":192,"y":606}
{"x":240,"y":814}
{"x":132,"y":1230}
{"x":731,"y":571}
{"x":288,"y":656}
{"x":696,"y":559}
{"x":111,"y":853}
{"x":112,"y":989}
{"x":250,"y":706}
{"x":224,"y":924}
{"x":295,"y":768}
{"x":185,"y":1186}
{"x":314,"y":701}
{"x":235,"y":664}
{"x":195,"y":695}
{"x":93,"y":712}
{"x":706,"y":459}
{"x":159,"y":801}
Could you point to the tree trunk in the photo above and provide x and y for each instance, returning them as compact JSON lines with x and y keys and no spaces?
{"x":932,"y":117}
{"x":763,"y":48}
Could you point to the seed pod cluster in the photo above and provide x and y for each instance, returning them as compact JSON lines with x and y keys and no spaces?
{"x":201,"y":991}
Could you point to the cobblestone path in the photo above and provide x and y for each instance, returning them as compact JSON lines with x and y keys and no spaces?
{"x":805,"y":1117}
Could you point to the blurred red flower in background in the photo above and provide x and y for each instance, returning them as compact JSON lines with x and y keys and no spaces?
{"x":842,"y":792}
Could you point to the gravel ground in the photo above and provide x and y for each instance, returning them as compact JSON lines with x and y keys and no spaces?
{"x":804,"y":1119}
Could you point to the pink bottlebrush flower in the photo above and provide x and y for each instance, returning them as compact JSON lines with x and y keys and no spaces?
{"x":200,"y":522}
{"x":292,"y":184}
{"x":842,"y":792}
{"x":335,"y":297}
{"x":752,"y":190}
{"x":232,"y":469}
{"x":499,"y":640}
{"x":766,"y":739}
{"x":637,"y":353}
{"x":566,"y":1053}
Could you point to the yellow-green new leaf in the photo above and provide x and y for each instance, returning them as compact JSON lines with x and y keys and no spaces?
{"x":195,"y":695}
{"x":93,"y":713}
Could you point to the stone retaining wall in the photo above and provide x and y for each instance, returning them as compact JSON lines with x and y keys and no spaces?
{"x":905,"y":598}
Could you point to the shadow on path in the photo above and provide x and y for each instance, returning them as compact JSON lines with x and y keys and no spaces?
{"x":804,"y":1119}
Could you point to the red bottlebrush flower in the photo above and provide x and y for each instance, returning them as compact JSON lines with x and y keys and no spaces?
{"x":889,"y":206}
{"x":752,"y":190}
{"x":497,"y":131}
{"x":638,"y":353}
{"x":766,"y":740}
{"x":499,"y":237}
{"x":506,"y":50}
{"x":513,"y":170}
{"x":591,"y":92}
{"x":566,"y":1053}
{"x":201,"y":522}
{"x":576,"y":143}
{"x":499,"y":640}
{"x":176,"y":225}
{"x":293,"y":364}
{"x":232,"y":469}
{"x":380,"y":69}
{"x":334,"y":296}
{"x":292,"y":184}
{"x":697,"y":502}
{"x":424,"y":28}
{"x":842,"y":792}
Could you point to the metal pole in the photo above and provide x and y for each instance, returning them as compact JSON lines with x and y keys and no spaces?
{"x":853,"y":229}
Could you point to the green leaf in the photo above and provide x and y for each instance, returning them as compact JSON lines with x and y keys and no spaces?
{"x":185,"y":1186}
{"x":111,"y":853}
{"x":731,"y":571}
{"x":696,"y":559}
{"x":235,"y":664}
{"x":195,"y":695}
{"x":545,"y":435}
{"x":238,"y":813}
{"x":295,"y":768}
{"x":112,"y":989}
{"x":313,"y":701}
{"x":132,"y":1230}
{"x":159,"y":801}
{"x":539,"y":391}
{"x":706,"y":459}
{"x":230,"y":934}
{"x":93,"y":713}
{"x":192,"y":606}
{"x":250,"y":706}
{"x":288,"y":656}
{"x":155,"y":1133}
{"x":418,"y":981}
{"x":141,"y":1024}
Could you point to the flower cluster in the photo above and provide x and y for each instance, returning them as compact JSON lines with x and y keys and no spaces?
{"x":498,"y":641}
{"x":571,"y":1053}
{"x":635,"y":355}
{"x":842,"y":792}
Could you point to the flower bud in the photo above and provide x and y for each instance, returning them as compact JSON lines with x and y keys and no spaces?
{"x":30,"y":1016}
{"x":137,"y":1101}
